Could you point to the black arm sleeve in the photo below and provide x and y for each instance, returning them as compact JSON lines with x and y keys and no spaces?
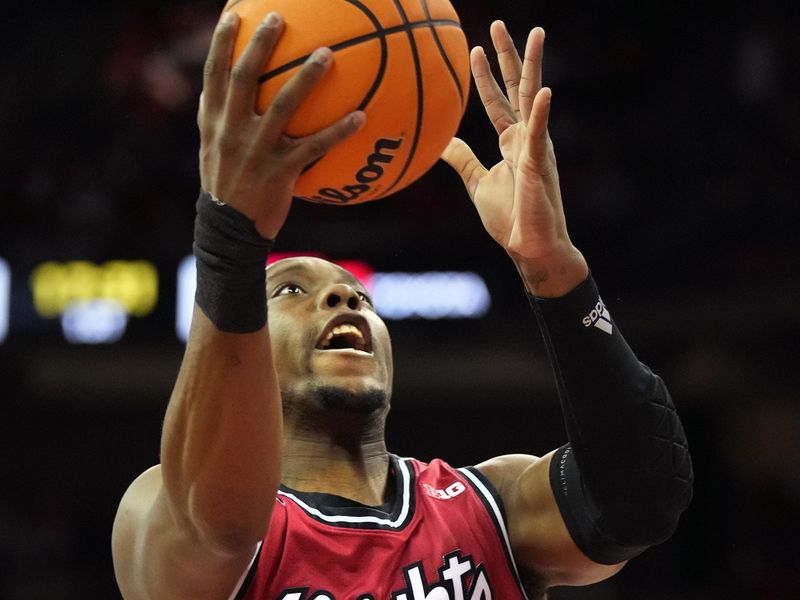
{"x":626,"y":475}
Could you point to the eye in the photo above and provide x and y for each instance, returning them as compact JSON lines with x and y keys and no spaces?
{"x":287,"y":289}
{"x":365,"y":298}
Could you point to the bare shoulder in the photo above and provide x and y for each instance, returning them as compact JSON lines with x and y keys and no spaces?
{"x":155,"y":556}
{"x":128,"y":531}
{"x":504,"y":471}
{"x":539,"y":537}
{"x":139,"y":496}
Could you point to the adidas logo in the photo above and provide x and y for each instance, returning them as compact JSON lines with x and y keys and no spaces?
{"x":599,"y":317}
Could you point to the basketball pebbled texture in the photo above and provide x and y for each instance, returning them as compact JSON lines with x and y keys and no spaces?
{"x":404,"y":62}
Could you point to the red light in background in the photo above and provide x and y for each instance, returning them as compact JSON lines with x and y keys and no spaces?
{"x":362,"y":270}
{"x":276,"y":256}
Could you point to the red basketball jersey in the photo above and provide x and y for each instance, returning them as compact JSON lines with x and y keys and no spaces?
{"x":443,"y":537}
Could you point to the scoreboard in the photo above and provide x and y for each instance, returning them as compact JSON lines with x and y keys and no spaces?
{"x":94,"y":302}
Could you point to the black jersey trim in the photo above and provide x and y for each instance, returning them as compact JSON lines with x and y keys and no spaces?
{"x":342,"y":512}
{"x":494,"y":506}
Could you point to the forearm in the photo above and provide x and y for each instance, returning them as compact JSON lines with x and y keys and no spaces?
{"x":627,"y":465}
{"x":555,"y":274}
{"x":221,"y":445}
{"x":222,"y":437}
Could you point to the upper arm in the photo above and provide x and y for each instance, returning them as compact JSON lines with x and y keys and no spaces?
{"x":156,"y":557}
{"x":538,"y":534}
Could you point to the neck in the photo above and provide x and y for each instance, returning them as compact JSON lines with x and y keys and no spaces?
{"x":358,"y":471}
{"x":333,"y":443}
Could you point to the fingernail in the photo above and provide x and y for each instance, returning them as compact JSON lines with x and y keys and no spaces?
{"x":358,"y":118}
{"x":272,"y":19}
{"x":320,"y":56}
{"x":228,"y":16}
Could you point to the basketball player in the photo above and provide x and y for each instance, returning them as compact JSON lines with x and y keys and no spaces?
{"x":275,"y":481}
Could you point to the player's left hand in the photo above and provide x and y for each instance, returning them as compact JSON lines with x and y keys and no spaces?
{"x":519,"y":198}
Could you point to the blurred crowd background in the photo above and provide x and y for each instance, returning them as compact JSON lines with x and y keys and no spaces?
{"x":677,"y":130}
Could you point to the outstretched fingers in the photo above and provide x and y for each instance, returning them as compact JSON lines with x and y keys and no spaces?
{"x":310,"y":148}
{"x":291,"y":95}
{"x":538,"y":139}
{"x":496,"y":105}
{"x":508,"y":58}
{"x":460,"y":156}
{"x":245,"y":73}
{"x":531,"y":79}
{"x":217,"y":68}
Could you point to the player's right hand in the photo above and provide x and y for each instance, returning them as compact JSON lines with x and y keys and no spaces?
{"x":246,"y":159}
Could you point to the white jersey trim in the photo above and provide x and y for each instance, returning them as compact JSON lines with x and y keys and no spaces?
{"x":401,"y":462}
{"x":239,"y":583}
{"x":487,"y":494}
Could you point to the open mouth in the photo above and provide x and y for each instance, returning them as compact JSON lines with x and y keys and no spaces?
{"x":347,"y":332}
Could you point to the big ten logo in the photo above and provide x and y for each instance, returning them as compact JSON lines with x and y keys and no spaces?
{"x":366,"y":177}
{"x":448,"y":493}
{"x":134,"y":284}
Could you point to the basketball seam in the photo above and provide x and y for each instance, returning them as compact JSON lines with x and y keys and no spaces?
{"x":384,"y":53}
{"x":412,"y":42}
{"x":378,"y":78}
{"x":445,"y":58}
{"x":382,"y":33}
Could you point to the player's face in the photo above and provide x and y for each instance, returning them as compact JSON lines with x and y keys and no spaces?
{"x":324,"y":330}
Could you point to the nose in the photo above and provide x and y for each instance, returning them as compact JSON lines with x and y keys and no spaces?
{"x":340,"y":294}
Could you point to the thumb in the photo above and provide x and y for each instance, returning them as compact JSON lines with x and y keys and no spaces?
{"x":463,"y":160}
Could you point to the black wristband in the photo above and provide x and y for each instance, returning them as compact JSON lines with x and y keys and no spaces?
{"x":626,"y":475}
{"x":231,"y":267}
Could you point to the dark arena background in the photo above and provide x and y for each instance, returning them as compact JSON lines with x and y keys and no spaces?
{"x":677,"y":129}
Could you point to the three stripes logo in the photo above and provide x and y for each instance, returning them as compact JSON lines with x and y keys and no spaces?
{"x":599,"y":317}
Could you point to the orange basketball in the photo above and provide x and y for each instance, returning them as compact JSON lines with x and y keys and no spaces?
{"x":403,"y":62}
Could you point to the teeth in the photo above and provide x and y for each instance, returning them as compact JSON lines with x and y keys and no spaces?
{"x":357,"y":340}
{"x":344,"y":329}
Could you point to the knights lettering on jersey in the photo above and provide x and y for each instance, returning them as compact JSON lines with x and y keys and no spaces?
{"x":459,"y":579}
